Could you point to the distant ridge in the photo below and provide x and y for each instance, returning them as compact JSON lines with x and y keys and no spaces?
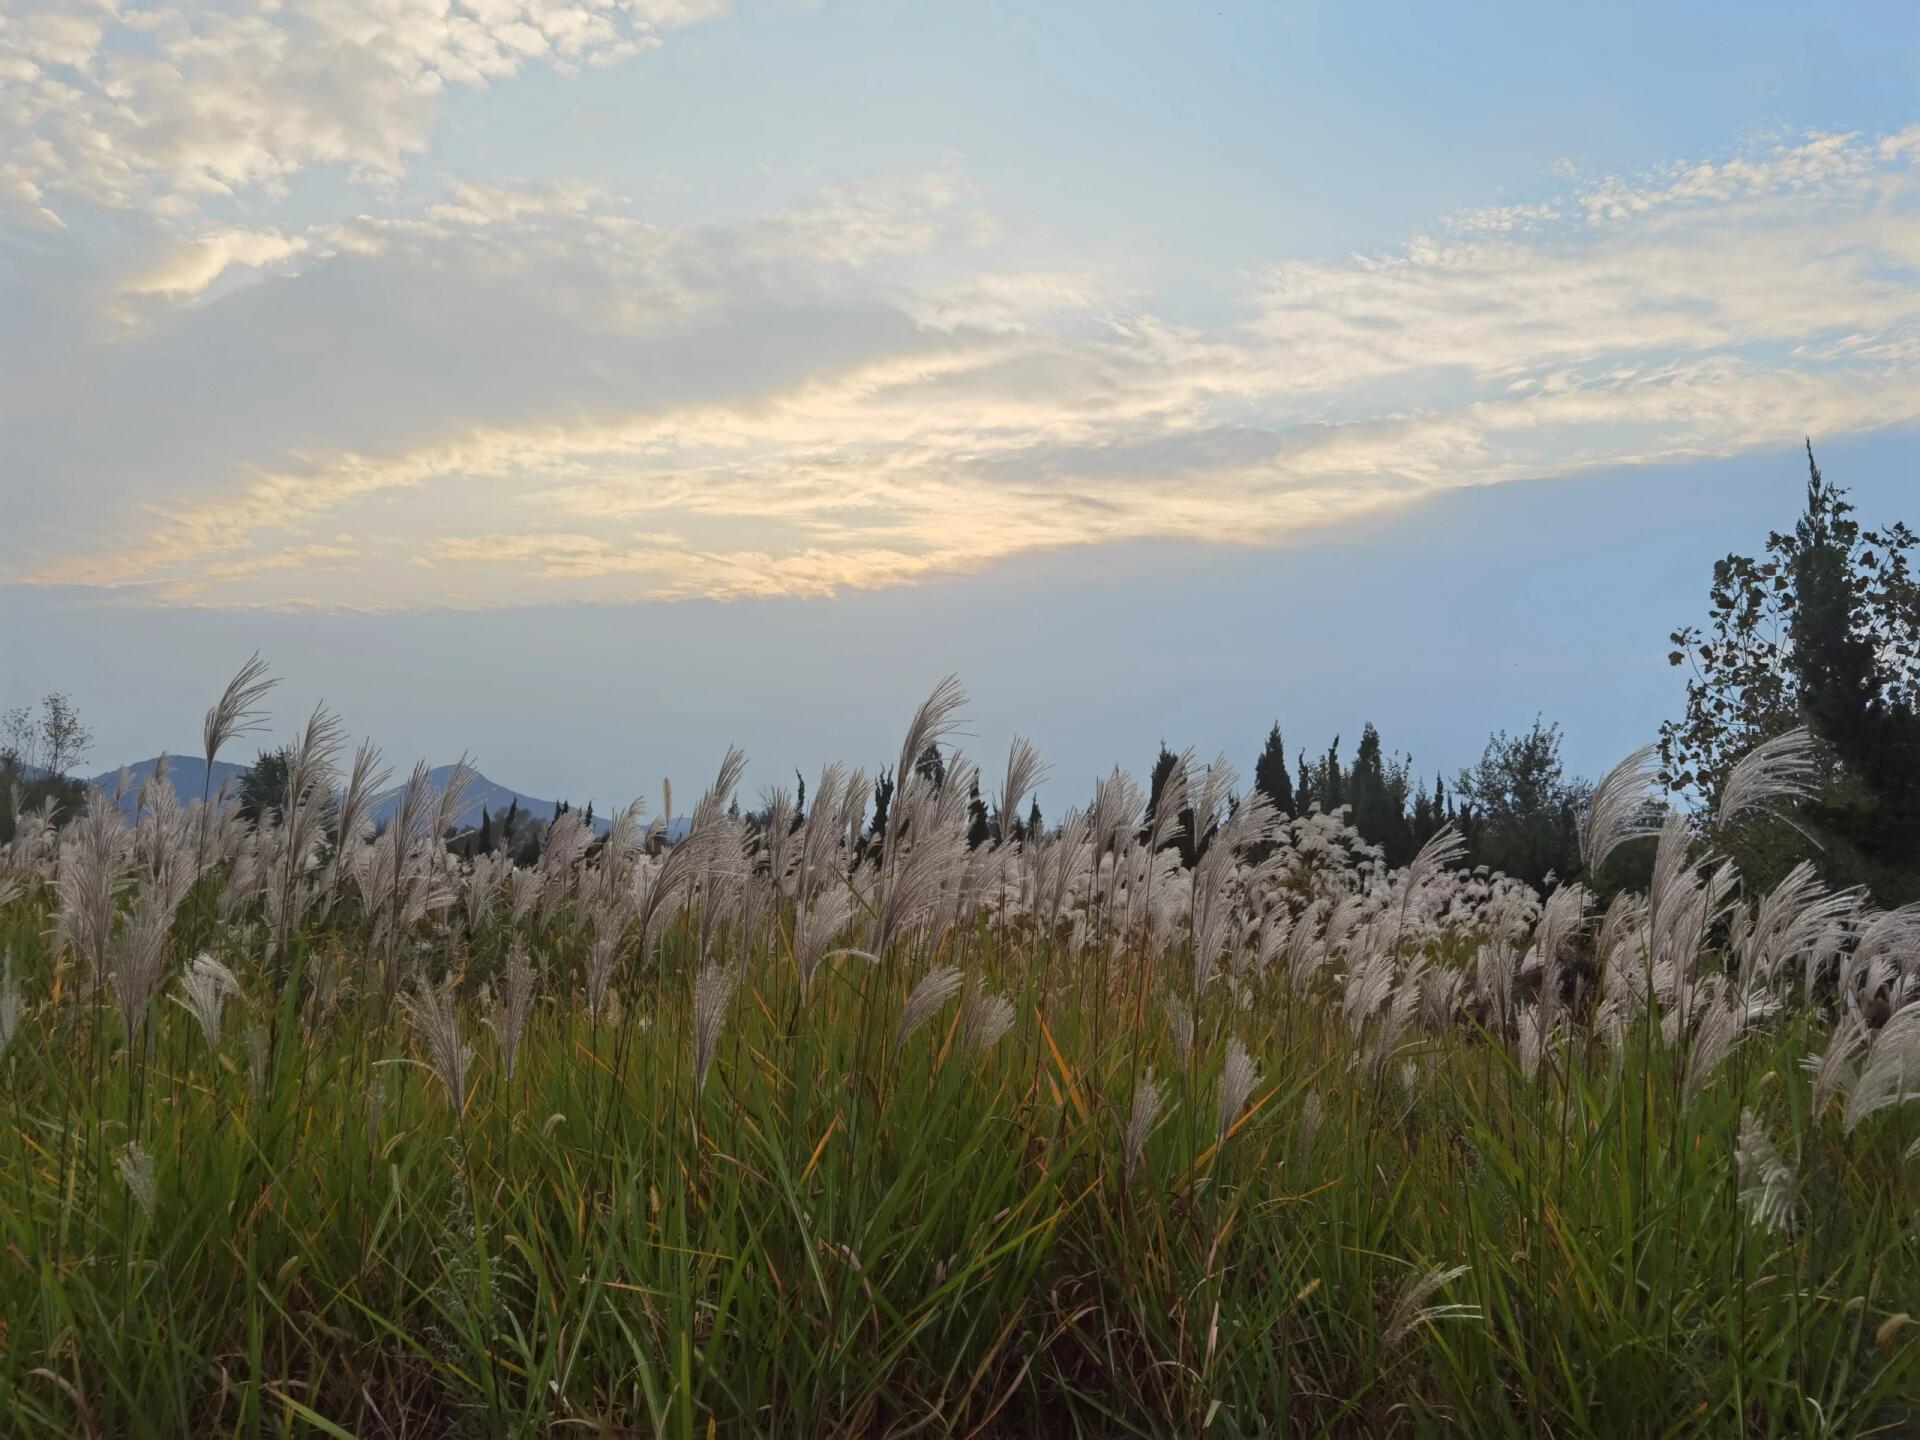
{"x":496,"y":798}
{"x":188,"y":774}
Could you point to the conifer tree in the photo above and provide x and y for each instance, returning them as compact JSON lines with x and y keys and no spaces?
{"x":1270,"y":772}
{"x":979,"y":829}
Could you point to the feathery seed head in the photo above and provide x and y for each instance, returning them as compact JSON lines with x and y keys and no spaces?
{"x":430,"y":1010}
{"x":1411,"y":1311}
{"x":927,"y":997}
{"x":1237,"y":1079}
{"x":1620,"y":808}
{"x":986,"y":1019}
{"x":1766,"y":1180}
{"x":1148,"y":1098}
{"x":1776,"y":770}
{"x":204,"y":989}
{"x":712,"y":990}
{"x":237,"y":711}
{"x":136,"y":1169}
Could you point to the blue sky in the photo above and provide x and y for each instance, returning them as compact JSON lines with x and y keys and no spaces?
{"x":589,"y":383}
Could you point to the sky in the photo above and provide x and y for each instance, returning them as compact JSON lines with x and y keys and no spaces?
{"x":588,"y":384}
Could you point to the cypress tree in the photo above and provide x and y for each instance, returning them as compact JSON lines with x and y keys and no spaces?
{"x":1270,"y":772}
{"x":979,"y":831}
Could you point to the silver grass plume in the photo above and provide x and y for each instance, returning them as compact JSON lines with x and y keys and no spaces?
{"x":1766,"y":1180}
{"x":452,"y":800}
{"x":1237,"y":1077}
{"x":1148,"y":1098}
{"x":430,"y":1011}
{"x":93,"y":869}
{"x":609,"y":923}
{"x":237,"y":711}
{"x":687,"y":862}
{"x":1411,"y":1311}
{"x":364,"y":781}
{"x":204,"y":989}
{"x":1833,"y":1071}
{"x":516,"y":1005}
{"x":817,"y":854}
{"x":985,"y":1020}
{"x":1620,"y":808}
{"x":1024,"y":771}
{"x":137,"y":960}
{"x":1720,"y":1028}
{"x":935,"y":720}
{"x":928,"y":996}
{"x":1447,"y":848}
{"x":1173,"y":799}
{"x":310,"y":772}
{"x":1217,"y":782}
{"x":712,"y":990}
{"x":814,"y":929}
{"x":1891,"y":1074}
{"x":136,"y":1169}
{"x":1778,"y":769}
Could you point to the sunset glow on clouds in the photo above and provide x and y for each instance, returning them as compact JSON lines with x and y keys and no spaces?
{"x":271,"y":354}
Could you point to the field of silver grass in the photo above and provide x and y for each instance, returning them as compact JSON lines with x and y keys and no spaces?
{"x":807,"y":1126}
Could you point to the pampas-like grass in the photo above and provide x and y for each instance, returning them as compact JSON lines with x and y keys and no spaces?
{"x":985,"y":1019}
{"x":1772,"y":773}
{"x":1413,"y":995}
{"x":1148,"y":1099}
{"x":516,"y":1005}
{"x":1410,"y":1308}
{"x":238,"y":709}
{"x":1237,"y":1079}
{"x":136,"y":1169}
{"x":1766,"y":1180}
{"x":1620,"y":808}
{"x":430,"y":1010}
{"x":1890,"y":1074}
{"x":204,"y":989}
{"x":934,"y":990}
{"x":814,"y":929}
{"x":712,"y":990}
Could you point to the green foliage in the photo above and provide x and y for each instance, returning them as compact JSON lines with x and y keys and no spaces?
{"x":54,"y":740}
{"x":1822,"y":631}
{"x":21,"y":793}
{"x":263,"y":786}
{"x":861,"y":1236}
{"x":1376,"y":788}
{"x":1270,"y":772}
{"x":1518,"y":810}
{"x":37,"y":748}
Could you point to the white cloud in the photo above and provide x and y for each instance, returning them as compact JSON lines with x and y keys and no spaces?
{"x":518,"y":392}
{"x":188,"y":269}
{"x":163,"y":109}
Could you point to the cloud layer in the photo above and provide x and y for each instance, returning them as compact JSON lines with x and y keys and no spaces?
{"x":459,"y":393}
